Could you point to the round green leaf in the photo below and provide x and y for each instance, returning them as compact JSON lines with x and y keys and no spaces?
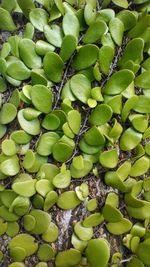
{"x":51,"y":233}
{"x":24,"y":186}
{"x":86,"y":57}
{"x":130,"y":139}
{"x":24,"y":241}
{"x":140,"y":166}
{"x":70,"y":24}
{"x":142,"y":105}
{"x":98,"y":252}
{"x":43,"y":186}
{"x":28,"y":54}
{"x":39,"y":92}
{"x":53,"y":66}
{"x":51,"y":122}
{"x":118,"y":82}
{"x":68,"y":46}
{"x":6,"y":21}
{"x":116,"y":28}
{"x":143,"y":80}
{"x":143,"y":251}
{"x":100,"y":115}
{"x":95,"y":32}
{"x":8,"y":113}
{"x":50,"y":200}
{"x":74,"y":121}
{"x":106,"y":54}
{"x":42,"y":219}
{"x":80,"y":87}
{"x":120,"y":227}
{"x":62,"y":180}
{"x":128,"y":18}
{"x":43,"y":47}
{"x":45,"y":252}
{"x":83,"y":233}
{"x":39,"y":18}
{"x":9,"y":147}
{"x":93,"y":220}
{"x":62,"y":151}
{"x":53,"y":34}
{"x":10,"y":166}
{"x":46,"y":143}
{"x":133,"y":51}
{"x":31,"y":127}
{"x":18,"y":70}
{"x":109,"y":159}
{"x":121,"y":3}
{"x":68,"y":258}
{"x":68,"y":200}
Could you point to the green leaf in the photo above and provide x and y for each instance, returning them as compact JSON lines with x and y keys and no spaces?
{"x":95,"y":32}
{"x":74,"y":121}
{"x":83,"y":233}
{"x":53,"y":34}
{"x":39,"y":18}
{"x":133,"y":51}
{"x":140,"y":166}
{"x":143,"y":80}
{"x":60,"y":6}
{"x":80,"y":87}
{"x":93,"y":220}
{"x":98,"y":252}
{"x":68,"y":258}
{"x":68,"y":47}
{"x":106,"y":55}
{"x":24,"y":241}
{"x":24,"y":185}
{"x":18,"y":70}
{"x":6,"y":21}
{"x":28,"y":54}
{"x":26,"y":6}
{"x":53,"y":66}
{"x":120,"y":227}
{"x":100,"y":115}
{"x":45,"y":252}
{"x":9,"y":147}
{"x":142,"y":105}
{"x":51,"y":122}
{"x":94,"y":137}
{"x":70,"y":24}
{"x":46,"y":143}
{"x":109,"y":159}
{"x":118,"y":82}
{"x":85,"y":57}
{"x":128,"y":18}
{"x":80,"y":167}
{"x":62,"y":151}
{"x":140,"y":26}
{"x":68,"y":200}
{"x":8,"y":113}
{"x":43,"y":47}
{"x":143,"y":251}
{"x":116,"y":28}
{"x":42,"y":219}
{"x":39,"y":92}
{"x":121,"y":3}
{"x":31,"y":127}
{"x":62,"y":180}
{"x":130,"y":139}
{"x":51,"y":233}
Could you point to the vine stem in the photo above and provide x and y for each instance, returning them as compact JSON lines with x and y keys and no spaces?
{"x":82,"y":130}
{"x":65,"y":76}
